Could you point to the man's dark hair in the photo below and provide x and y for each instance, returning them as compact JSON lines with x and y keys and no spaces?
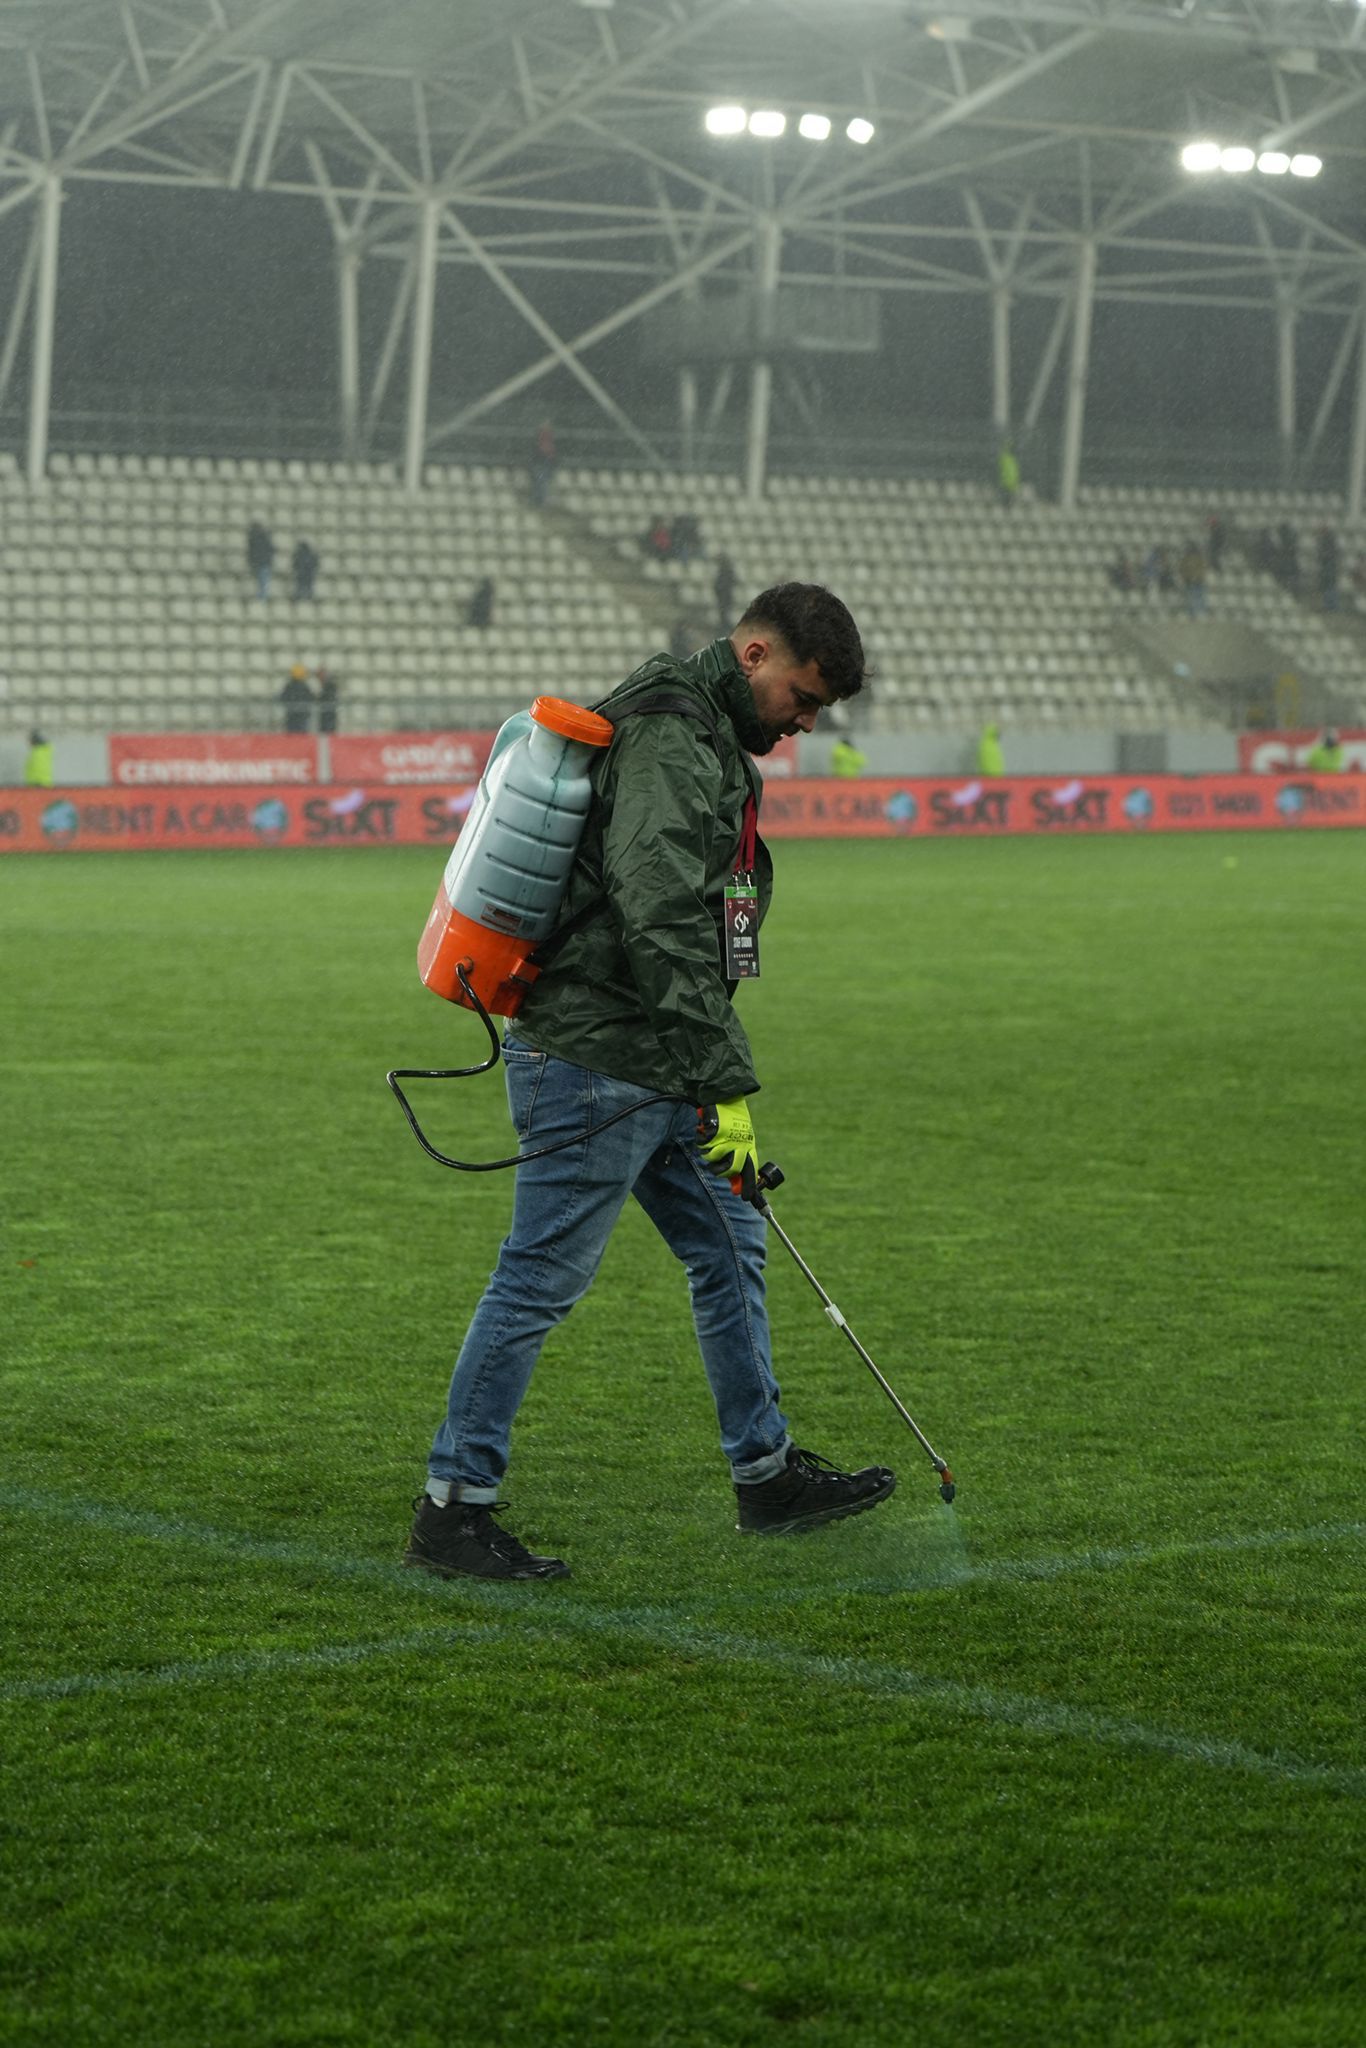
{"x":816,"y":626}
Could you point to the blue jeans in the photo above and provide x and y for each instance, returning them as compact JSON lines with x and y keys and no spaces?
{"x":564,"y":1211}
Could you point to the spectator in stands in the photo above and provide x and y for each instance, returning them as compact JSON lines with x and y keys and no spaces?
{"x":327,"y":699}
{"x":1326,"y":758}
{"x":1121,"y":572}
{"x":723,"y":583}
{"x":1158,"y":573}
{"x":38,"y":766}
{"x":658,"y":541}
{"x":1359,"y":576}
{"x":1008,"y":475}
{"x":1193,"y":584}
{"x":1265,"y":555}
{"x":1329,"y":556}
{"x":687,"y":538}
{"x":846,"y":760}
{"x":297,"y":698}
{"x":544,"y":458}
{"x":1216,"y":541}
{"x":991,"y":759}
{"x":1288,"y":557}
{"x":260,"y":556}
{"x":305,"y":563}
{"x":480,"y":608}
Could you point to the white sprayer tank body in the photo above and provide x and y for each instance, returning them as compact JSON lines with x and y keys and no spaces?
{"x":507,"y":872}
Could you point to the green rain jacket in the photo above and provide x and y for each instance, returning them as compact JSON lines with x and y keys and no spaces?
{"x":637,"y":988}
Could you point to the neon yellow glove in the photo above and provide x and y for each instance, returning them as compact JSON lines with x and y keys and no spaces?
{"x":725,"y":1138}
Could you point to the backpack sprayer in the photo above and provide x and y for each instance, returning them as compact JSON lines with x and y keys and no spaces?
{"x":499,"y":901}
{"x":500,"y":894}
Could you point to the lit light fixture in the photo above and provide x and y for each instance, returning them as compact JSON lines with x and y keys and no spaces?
{"x":768,"y":122}
{"x":1274,"y":162}
{"x":1200,"y":156}
{"x":860,"y":131}
{"x":815,"y":127}
{"x":1305,"y":166}
{"x":726,"y":120}
{"x":1237,"y":160}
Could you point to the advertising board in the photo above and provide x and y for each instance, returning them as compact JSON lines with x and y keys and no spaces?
{"x":403,"y":814}
{"x":1278,"y":753}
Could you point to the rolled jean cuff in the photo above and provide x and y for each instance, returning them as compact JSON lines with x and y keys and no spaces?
{"x":444,"y":1491}
{"x":759,"y":1469}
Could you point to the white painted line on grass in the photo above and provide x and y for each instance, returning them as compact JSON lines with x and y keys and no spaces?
{"x":883,"y":1681}
{"x":246,"y":1664}
{"x":659,"y":1631}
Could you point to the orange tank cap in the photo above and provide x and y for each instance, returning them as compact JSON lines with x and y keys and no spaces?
{"x":572,"y":722}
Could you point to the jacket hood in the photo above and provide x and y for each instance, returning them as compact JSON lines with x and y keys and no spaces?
{"x":718,"y":668}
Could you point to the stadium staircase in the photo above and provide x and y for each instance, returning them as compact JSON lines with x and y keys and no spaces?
{"x":1222,"y":667}
{"x":604,"y":567}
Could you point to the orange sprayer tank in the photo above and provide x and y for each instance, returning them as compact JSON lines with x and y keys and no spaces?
{"x":507,"y":872}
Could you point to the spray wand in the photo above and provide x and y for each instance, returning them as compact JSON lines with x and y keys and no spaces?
{"x":771,"y":1176}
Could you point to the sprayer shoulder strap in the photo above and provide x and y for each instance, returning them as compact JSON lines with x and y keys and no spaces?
{"x":679,"y":703}
{"x":650,"y":703}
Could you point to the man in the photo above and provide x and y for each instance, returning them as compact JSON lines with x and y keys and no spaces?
{"x":846,"y":759}
{"x":543,"y":460}
{"x":38,"y":765}
{"x":297,"y":697}
{"x":991,"y":758}
{"x":1326,"y":758}
{"x":305,"y":562}
{"x":260,"y":556}
{"x":723,"y":583}
{"x":326,"y":699}
{"x":657,"y":924}
{"x":1192,"y":573}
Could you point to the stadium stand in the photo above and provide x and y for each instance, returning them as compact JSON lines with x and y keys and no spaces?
{"x":125,"y":599}
{"x":972,"y":611}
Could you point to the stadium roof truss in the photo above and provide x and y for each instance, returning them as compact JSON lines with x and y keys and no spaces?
{"x":1021,"y":149}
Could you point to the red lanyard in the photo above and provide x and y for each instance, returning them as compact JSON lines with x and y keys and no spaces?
{"x":746,"y":852}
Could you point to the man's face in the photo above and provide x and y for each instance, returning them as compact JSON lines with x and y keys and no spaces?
{"x":788,"y":698}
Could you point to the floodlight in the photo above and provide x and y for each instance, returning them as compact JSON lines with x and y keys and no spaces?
{"x":860,"y":131}
{"x":1305,"y":166}
{"x":1237,"y":159}
{"x":1200,"y":156}
{"x":768,"y":123}
{"x":1274,"y":162}
{"x":726,"y":120}
{"x":815,"y":127}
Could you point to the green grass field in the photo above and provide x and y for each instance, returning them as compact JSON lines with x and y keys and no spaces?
{"x":1074,"y":1133}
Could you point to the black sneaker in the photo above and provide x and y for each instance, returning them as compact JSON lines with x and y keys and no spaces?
{"x":462,"y":1541}
{"x":809,"y":1491}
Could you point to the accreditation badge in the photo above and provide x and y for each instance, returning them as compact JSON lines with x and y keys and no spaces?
{"x":742,"y":929}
